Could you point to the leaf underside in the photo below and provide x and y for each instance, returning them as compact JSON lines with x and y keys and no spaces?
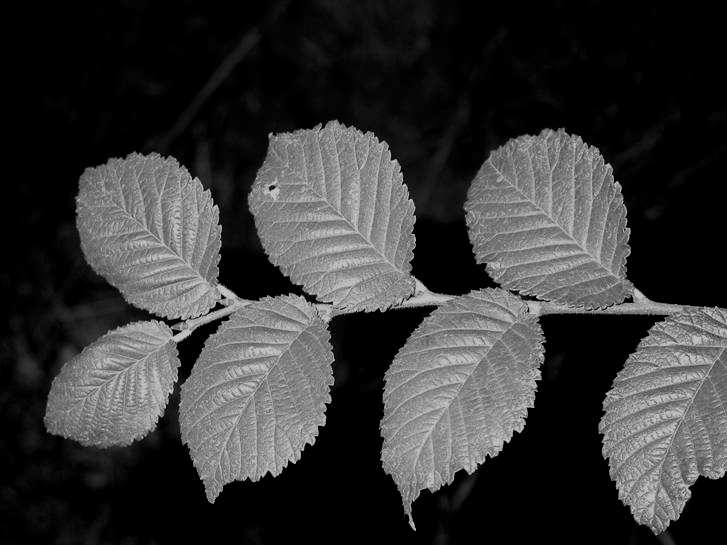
{"x":114,"y":391}
{"x":333,"y":213}
{"x":152,"y":231}
{"x":458,"y":389}
{"x":258,"y":392}
{"x":546,"y":216}
{"x":665,"y":420}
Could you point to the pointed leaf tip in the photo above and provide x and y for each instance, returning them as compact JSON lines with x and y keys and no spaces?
{"x":258,"y":392}
{"x":458,"y":390}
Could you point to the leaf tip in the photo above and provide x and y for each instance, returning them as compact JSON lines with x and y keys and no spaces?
{"x":211,"y":491}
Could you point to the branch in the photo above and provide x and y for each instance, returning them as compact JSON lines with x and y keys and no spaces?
{"x":422,"y":298}
{"x":638,"y":308}
{"x":641,"y":306}
{"x":227,"y":293}
{"x":232,"y":303}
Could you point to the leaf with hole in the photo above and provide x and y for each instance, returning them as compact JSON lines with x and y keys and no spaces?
{"x":116,"y":389}
{"x":665,"y":420}
{"x":258,"y":392}
{"x":458,"y":389}
{"x":546,"y":216}
{"x":151,"y":230}
{"x":333,"y":213}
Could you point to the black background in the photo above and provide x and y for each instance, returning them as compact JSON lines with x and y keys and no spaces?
{"x":444,"y":84}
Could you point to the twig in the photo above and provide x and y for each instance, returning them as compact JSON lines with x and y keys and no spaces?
{"x":226,"y":292}
{"x":190,"y":325}
{"x":649,"y":308}
{"x":642,"y":306}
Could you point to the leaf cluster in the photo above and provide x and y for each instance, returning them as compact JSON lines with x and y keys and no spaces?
{"x":544,"y":214}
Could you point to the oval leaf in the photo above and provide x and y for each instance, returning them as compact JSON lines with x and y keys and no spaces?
{"x":665,"y":420}
{"x":116,"y":389}
{"x":258,"y":392}
{"x":333,"y":213}
{"x":458,"y":389}
{"x":546,"y":216}
{"x":151,"y":230}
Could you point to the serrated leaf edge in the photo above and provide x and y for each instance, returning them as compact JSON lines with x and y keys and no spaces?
{"x":297,"y":454}
{"x":493,"y":272}
{"x":717,"y":474}
{"x":480,"y":457}
{"x":294,"y":137}
{"x":143,"y":434}
{"x":214,"y":210}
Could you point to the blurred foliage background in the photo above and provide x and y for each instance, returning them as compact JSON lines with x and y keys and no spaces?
{"x":444,"y":83}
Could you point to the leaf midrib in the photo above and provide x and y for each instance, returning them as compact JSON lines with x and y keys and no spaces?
{"x":96,"y":389}
{"x":308,"y":187}
{"x":553,"y":221}
{"x":459,"y":389}
{"x":263,"y":380}
{"x":667,"y":452}
{"x":161,"y":243}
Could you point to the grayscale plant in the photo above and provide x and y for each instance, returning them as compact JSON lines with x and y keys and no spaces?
{"x":331,"y":209}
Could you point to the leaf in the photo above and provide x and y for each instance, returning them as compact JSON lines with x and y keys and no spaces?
{"x":149,"y":228}
{"x":116,"y":389}
{"x":258,"y":392}
{"x":333,"y":213}
{"x":546,"y":216}
{"x":458,"y":389}
{"x":665,"y":420}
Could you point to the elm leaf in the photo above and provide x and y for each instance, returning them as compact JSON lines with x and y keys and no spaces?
{"x":151,"y":230}
{"x":116,"y":389}
{"x":458,"y":389}
{"x":258,"y":392}
{"x":333,"y":213}
{"x":546,"y":216}
{"x":665,"y":420}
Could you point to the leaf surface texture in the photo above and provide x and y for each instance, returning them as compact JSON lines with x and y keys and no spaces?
{"x":665,"y":420}
{"x":258,"y":392}
{"x":333,"y":213}
{"x":546,"y":216}
{"x":151,"y":230}
{"x":458,"y":389}
{"x":116,"y":389}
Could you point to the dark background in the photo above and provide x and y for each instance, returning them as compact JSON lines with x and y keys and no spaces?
{"x":444,"y":84}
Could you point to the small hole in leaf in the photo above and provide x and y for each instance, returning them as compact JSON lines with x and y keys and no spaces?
{"x":272,"y":190}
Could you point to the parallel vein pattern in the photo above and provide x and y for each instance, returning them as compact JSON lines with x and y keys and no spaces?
{"x":665,"y":420}
{"x":151,"y":230}
{"x":458,"y":389}
{"x":546,"y":216}
{"x":258,"y":392}
{"x":114,"y":391}
{"x":333,"y":213}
